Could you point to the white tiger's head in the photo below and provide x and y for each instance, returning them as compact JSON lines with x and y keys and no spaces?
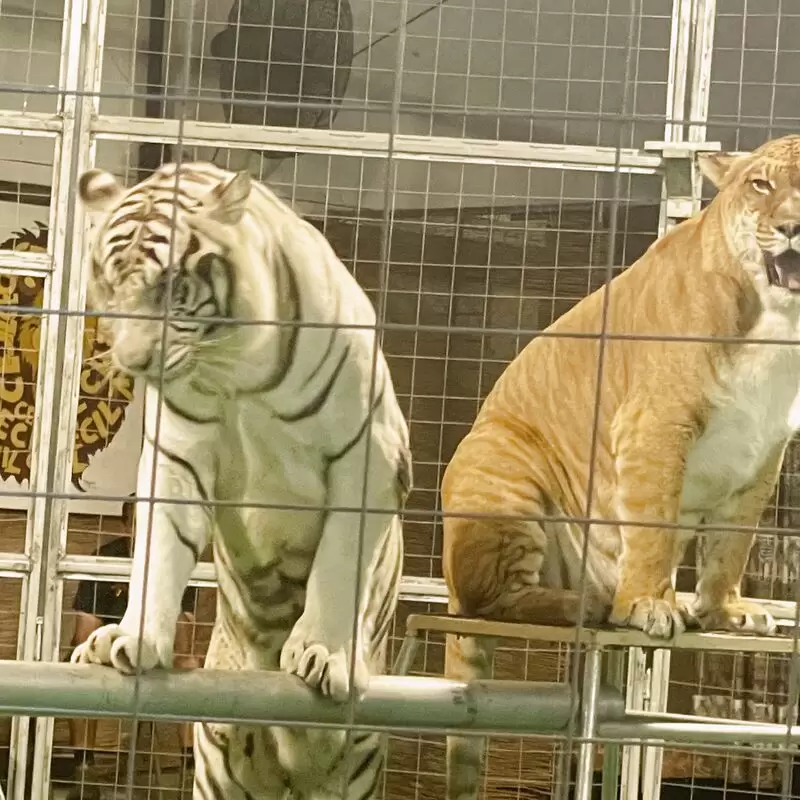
{"x":154,"y":260}
{"x":758,"y":206}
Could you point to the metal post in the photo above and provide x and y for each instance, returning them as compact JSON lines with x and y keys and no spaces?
{"x":46,"y":419}
{"x":59,"y":375}
{"x":692,"y":41}
{"x":615,"y":678}
{"x":703,"y":24}
{"x":653,"y":757}
{"x":408,"y":651}
{"x":635,"y":685}
{"x":589,"y":694}
{"x":562,"y":766}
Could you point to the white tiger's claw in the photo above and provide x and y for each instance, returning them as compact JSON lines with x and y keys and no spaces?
{"x":111,"y":646}
{"x":321,"y":669}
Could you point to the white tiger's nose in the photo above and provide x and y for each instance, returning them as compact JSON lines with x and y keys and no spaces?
{"x":133,"y":350}
{"x":134,"y":361}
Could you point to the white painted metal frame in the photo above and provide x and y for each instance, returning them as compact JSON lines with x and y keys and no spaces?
{"x":702,"y":15}
{"x":687,"y":90}
{"x":58,"y":377}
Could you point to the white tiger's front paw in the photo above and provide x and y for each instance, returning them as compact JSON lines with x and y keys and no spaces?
{"x":112,"y":646}
{"x":321,"y":665}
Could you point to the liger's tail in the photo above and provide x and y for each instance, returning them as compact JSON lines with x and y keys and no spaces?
{"x":467,"y":658}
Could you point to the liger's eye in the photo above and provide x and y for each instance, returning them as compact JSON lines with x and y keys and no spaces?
{"x":762,"y":185}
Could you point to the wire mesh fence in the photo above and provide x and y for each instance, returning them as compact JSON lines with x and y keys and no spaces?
{"x":479,"y":167}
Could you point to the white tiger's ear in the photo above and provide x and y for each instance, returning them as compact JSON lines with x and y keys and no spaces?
{"x":717,"y":166}
{"x":98,"y":189}
{"x":228,"y":200}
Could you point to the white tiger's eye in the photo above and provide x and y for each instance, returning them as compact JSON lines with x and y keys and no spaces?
{"x":762,"y":185}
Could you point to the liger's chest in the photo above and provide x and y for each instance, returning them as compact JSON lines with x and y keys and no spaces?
{"x":753,"y":411}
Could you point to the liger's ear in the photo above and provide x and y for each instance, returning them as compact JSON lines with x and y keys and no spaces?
{"x":227,"y":201}
{"x":98,"y":189}
{"x":718,"y":167}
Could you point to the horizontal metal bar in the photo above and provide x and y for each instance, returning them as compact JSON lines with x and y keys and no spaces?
{"x":666,"y":716}
{"x":680,"y":149}
{"x":97,"y":568}
{"x":390,"y":703}
{"x":374,"y":145}
{"x":436,"y":590}
{"x":14,"y":563}
{"x":423,"y":590}
{"x":31,"y":123}
{"x":602,"y":637}
{"x":432,"y":589}
{"x":781,"y":610}
{"x":699,"y":732}
{"x":418,"y":704}
{"x":28,"y":265}
{"x":77,"y":568}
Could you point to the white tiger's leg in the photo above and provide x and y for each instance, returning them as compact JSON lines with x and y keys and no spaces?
{"x":184,"y":471}
{"x":319,"y":647}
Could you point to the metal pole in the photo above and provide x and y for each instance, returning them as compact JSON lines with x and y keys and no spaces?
{"x":688,"y":20}
{"x":60,"y":350}
{"x":391,"y":702}
{"x":373,"y":144}
{"x":405,"y":658}
{"x":615,"y":677}
{"x":591,"y":689}
{"x":669,"y":732}
{"x":636,"y":681}
{"x":152,"y":154}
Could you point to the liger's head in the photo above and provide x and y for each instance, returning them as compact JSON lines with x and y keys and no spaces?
{"x":759,"y":197}
{"x":160,"y":257}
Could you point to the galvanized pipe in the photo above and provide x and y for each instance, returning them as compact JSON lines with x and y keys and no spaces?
{"x":391,"y":702}
{"x":591,"y":689}
{"x":669,"y":732}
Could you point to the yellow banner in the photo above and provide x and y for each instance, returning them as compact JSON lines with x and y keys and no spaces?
{"x":104,"y":394}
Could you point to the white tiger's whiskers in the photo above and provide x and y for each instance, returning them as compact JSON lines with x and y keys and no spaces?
{"x":98,"y":358}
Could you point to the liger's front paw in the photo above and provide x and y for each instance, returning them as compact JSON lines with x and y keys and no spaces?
{"x":657,"y":617}
{"x":112,"y":646}
{"x":739,"y":616}
{"x":322,"y":666}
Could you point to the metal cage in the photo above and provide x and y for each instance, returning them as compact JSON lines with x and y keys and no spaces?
{"x":474,"y":121}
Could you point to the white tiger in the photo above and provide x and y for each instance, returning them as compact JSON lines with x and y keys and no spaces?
{"x":252,"y":415}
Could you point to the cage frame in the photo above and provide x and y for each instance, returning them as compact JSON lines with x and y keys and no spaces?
{"x":76,"y":128}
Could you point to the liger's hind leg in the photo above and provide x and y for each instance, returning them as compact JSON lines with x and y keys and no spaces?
{"x":493,"y":570}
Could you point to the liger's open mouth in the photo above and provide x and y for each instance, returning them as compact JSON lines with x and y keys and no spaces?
{"x":784,"y":270}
